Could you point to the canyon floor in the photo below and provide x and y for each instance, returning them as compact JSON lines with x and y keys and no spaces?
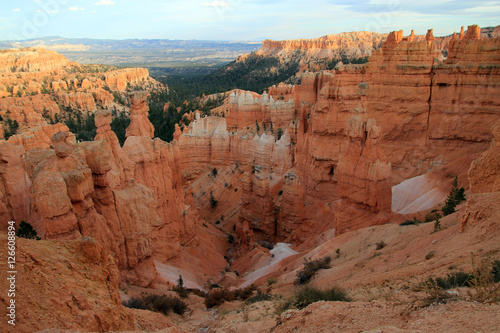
{"x":383,"y":285}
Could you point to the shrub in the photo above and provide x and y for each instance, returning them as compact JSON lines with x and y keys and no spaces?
{"x":214,"y":172}
{"x":164,"y":304}
{"x":411,"y":222}
{"x":245,"y":293}
{"x":266,"y":244}
{"x":452,"y":280}
{"x":456,"y":196}
{"x":495,"y":271}
{"x":216,"y":297}
{"x":430,"y":255}
{"x":213,"y":202}
{"x":310,"y":269}
{"x":271,"y":281}
{"x":308,"y":295}
{"x":432,"y":217}
{"x":136,"y":303}
{"x":26,"y":231}
{"x":157,"y":303}
{"x":279,"y":133}
{"x":260,"y":297}
{"x":380,"y":245}
{"x":437,"y":224}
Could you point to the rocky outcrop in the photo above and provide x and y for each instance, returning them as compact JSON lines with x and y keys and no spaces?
{"x":70,"y":286}
{"x":127,"y":77}
{"x":483,"y":172}
{"x":42,"y":85}
{"x":139,"y":122}
{"x":78,"y":101}
{"x":32,"y":60}
{"x":482,"y":211}
{"x":15,"y":201}
{"x":37,"y":137}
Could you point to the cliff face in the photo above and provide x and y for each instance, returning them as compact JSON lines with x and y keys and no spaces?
{"x":351,"y":45}
{"x":130,"y":200}
{"x":353,"y":133}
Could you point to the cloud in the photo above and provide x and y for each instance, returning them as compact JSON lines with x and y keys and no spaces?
{"x":104,"y":3}
{"x":217,"y":4}
{"x":76,"y":8}
{"x":16,"y":10}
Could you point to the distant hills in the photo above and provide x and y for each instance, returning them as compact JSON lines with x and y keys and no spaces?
{"x":141,"y":52}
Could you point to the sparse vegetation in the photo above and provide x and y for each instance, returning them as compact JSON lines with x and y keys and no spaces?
{"x":430,"y":255}
{"x":218,"y":296}
{"x":380,"y":245}
{"x":310,"y":269}
{"x":279,"y":133}
{"x":158,"y":303}
{"x":452,"y":280}
{"x":119,"y":125}
{"x":437,"y":224}
{"x":415,"y":221}
{"x":12,"y":127}
{"x":309,"y":294}
{"x":271,"y":281}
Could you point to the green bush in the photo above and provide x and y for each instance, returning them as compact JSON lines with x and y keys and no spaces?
{"x":217,"y":296}
{"x":309,"y":294}
{"x":452,"y":280}
{"x":310,"y":269}
{"x":260,"y":297}
{"x":157,"y":303}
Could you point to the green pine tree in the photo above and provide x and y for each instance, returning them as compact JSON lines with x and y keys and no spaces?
{"x":456,"y":196}
{"x":26,"y":231}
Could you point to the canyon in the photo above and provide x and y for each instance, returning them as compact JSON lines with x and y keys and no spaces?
{"x":333,"y":163}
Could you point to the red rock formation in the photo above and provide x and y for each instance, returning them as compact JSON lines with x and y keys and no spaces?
{"x":32,"y":60}
{"x":14,"y":184}
{"x":78,"y":100}
{"x":139,"y":122}
{"x":404,"y":89}
{"x":37,"y":137}
{"x":350,"y":44}
{"x":364,"y":178}
{"x":70,"y":286}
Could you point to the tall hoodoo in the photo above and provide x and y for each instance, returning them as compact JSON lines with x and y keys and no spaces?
{"x":139,"y":110}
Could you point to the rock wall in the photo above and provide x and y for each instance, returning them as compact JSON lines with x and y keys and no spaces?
{"x":130,"y":200}
{"x":427,"y":113}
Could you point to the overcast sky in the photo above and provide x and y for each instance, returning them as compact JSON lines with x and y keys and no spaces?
{"x":236,"y":19}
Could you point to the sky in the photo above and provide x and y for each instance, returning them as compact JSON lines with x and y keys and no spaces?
{"x":236,"y":20}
